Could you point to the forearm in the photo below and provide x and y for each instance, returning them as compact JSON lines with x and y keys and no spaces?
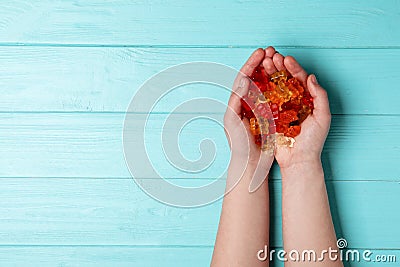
{"x":244,"y":223}
{"x":306,"y":217}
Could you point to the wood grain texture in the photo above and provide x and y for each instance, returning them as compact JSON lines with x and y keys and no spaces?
{"x":90,"y":145}
{"x":117,"y":212}
{"x":105,"y":79}
{"x":221,"y":23}
{"x":121,"y":256}
{"x":68,"y":70}
{"x":105,"y":256}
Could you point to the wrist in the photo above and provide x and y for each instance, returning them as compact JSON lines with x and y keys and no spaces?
{"x":250,"y":160}
{"x":303,"y":178}
{"x":302,"y":167}
{"x":243,"y":164}
{"x":295,"y":160}
{"x":259,"y":166}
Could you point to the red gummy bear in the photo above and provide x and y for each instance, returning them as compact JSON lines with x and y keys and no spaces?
{"x":260,"y":78}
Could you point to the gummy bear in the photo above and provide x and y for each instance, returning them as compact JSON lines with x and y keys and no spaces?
{"x":254,"y":127}
{"x":260,"y":78}
{"x":293,"y":131}
{"x":288,"y":101}
{"x":246,"y":110}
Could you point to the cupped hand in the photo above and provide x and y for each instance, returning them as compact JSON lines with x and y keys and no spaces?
{"x":241,"y":141}
{"x":314,"y":130}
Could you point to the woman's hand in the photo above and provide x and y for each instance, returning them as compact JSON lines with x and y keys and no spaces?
{"x":309,"y":143}
{"x":244,"y":225}
{"x":246,"y":155}
{"x":306,"y":219}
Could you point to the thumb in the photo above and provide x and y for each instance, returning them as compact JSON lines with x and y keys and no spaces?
{"x":320,"y":97}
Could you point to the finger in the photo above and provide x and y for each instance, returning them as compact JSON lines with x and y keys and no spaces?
{"x":233,"y":123}
{"x":270,"y":51}
{"x":320,"y":97}
{"x":241,"y":84}
{"x":237,"y":93}
{"x":254,"y":60}
{"x":278,"y":61}
{"x":269,"y":65}
{"x":246,"y":125}
{"x":295,"y":69}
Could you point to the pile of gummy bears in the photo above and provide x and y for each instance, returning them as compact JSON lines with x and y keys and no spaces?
{"x":288,"y":102}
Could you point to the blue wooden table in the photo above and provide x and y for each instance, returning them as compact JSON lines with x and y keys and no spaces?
{"x":68,"y":70}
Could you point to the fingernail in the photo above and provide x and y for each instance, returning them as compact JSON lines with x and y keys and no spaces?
{"x":242,"y":82}
{"x":241,"y":89}
{"x":314,"y":79}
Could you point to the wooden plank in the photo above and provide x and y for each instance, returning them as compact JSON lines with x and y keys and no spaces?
{"x":106,"y":79}
{"x":133,"y":256}
{"x":90,"y":145}
{"x":105,"y":256}
{"x":222,"y":23}
{"x":117,"y":212}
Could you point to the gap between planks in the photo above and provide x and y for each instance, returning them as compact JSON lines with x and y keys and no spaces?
{"x":224,"y":46}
